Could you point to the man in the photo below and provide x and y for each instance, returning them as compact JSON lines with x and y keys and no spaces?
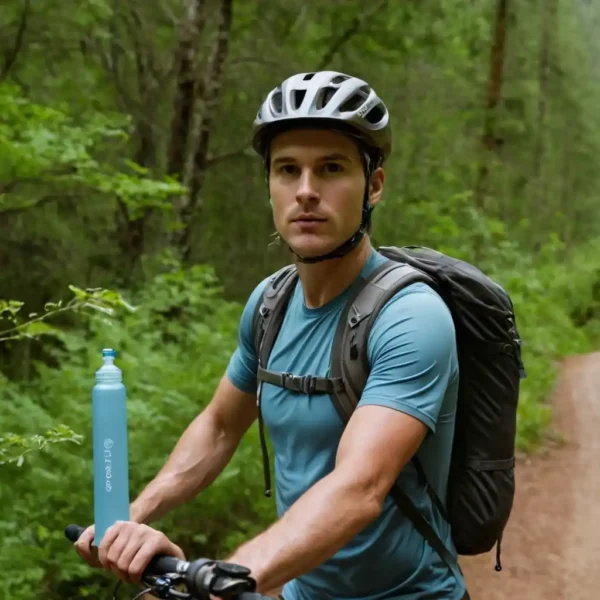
{"x":323,"y":137}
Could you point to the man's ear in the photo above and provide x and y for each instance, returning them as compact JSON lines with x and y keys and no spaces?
{"x":376,"y":186}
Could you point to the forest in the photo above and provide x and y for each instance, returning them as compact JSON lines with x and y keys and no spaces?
{"x":134,"y":214}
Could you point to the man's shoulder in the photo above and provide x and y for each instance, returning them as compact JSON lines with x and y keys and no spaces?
{"x":416,"y":309}
{"x":415,"y":300}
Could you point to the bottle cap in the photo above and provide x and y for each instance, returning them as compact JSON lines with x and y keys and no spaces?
{"x":109,"y":352}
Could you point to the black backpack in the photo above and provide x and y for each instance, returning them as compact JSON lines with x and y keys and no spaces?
{"x":481,"y":483}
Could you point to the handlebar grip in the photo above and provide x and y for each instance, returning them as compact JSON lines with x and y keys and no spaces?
{"x":72,"y":532}
{"x":162,"y":564}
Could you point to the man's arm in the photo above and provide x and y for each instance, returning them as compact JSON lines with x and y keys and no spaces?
{"x":202,"y":452}
{"x":375,"y":446}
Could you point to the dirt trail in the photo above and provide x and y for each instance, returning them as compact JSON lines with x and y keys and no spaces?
{"x":551,"y":547}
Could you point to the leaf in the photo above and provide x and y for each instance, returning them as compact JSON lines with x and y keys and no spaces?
{"x":37,"y":328}
{"x":79,"y":293}
{"x":11,"y":306}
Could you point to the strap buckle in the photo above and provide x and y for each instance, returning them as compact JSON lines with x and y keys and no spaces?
{"x":305,"y":384}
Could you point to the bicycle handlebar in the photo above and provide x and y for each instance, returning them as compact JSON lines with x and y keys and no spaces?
{"x":202,"y":576}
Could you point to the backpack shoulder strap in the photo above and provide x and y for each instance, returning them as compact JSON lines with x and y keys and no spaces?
{"x":270,"y":310}
{"x":266,"y":323}
{"x":349,"y":359}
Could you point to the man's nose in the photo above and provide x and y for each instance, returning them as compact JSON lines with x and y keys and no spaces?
{"x":308,"y":190}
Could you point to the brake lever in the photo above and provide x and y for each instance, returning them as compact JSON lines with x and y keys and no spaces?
{"x":162,"y":586}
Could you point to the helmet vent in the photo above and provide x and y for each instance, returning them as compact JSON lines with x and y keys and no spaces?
{"x":298,"y":98}
{"x":325,"y":95}
{"x":356,"y":100}
{"x":308,"y":77}
{"x":339,"y":79}
{"x":375,"y":115}
{"x":276,"y":102}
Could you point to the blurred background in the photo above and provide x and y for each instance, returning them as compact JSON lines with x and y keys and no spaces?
{"x":134,"y":215}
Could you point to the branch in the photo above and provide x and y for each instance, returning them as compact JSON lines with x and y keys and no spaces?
{"x":214,"y":160}
{"x":14,"y":331}
{"x":139,"y":33}
{"x":354,"y":28}
{"x":490,"y":140}
{"x":111,"y":60}
{"x":12,"y":57}
{"x":15,"y":210}
{"x":146,"y":76}
{"x":265,"y":62}
{"x":11,"y":185}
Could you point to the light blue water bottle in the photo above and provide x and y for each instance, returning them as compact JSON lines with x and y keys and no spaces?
{"x":111,"y":465}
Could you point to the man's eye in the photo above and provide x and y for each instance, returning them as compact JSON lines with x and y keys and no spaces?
{"x":333,"y":168}
{"x":287,"y":169}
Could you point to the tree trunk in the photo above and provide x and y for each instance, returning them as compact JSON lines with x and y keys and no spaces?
{"x":11,"y":57}
{"x":543,"y":75}
{"x":197,"y":154}
{"x":187,"y":84}
{"x":131,"y":233}
{"x":549,"y":15}
{"x":490,"y":140}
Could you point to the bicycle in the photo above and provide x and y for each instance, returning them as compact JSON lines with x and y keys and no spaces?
{"x":201,"y":577}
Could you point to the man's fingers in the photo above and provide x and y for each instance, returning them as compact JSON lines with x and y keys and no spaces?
{"x":84,"y":548}
{"x":84,"y":542}
{"x":140,"y":560}
{"x":123,"y":566}
{"x":127,"y":548}
{"x":105,"y":549}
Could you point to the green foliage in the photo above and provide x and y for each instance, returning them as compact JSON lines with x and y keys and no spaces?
{"x":13,"y":447}
{"x":44,"y":148}
{"x":173,"y":349}
{"x":547,"y":293}
{"x":97,"y":299}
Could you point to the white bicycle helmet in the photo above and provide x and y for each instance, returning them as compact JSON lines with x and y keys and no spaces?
{"x":325,"y":99}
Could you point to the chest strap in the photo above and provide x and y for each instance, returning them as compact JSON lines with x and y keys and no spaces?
{"x":306,"y":384}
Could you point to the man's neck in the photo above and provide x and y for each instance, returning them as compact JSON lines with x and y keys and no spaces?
{"x":323,"y":281}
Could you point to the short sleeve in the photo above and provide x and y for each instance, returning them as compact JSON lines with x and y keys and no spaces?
{"x":243,"y":364}
{"x":412,"y":353}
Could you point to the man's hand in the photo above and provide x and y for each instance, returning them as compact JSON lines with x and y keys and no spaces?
{"x":85,"y":549}
{"x":128,"y":547}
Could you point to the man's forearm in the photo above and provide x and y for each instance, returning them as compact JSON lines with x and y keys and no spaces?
{"x":321,"y":522}
{"x":200,"y":455}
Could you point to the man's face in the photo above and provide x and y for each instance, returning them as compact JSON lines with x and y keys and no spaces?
{"x":317,"y":186}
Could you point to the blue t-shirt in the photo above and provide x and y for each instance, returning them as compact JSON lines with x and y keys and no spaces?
{"x":414,"y":369}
